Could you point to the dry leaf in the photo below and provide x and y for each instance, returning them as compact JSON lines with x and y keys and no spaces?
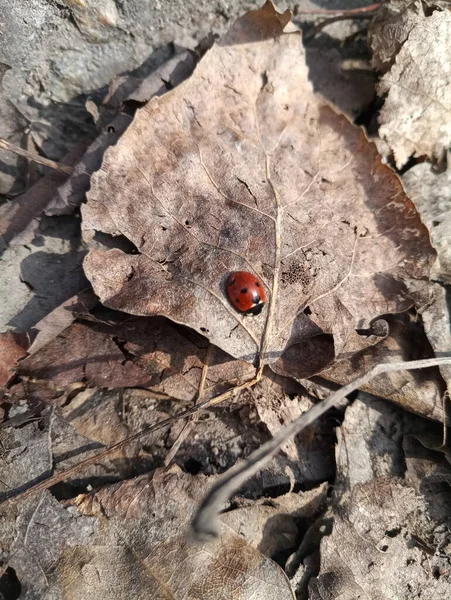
{"x":13,"y":347}
{"x":431,"y":194}
{"x":270,"y":526}
{"x":60,"y":318}
{"x":140,"y":352}
{"x":19,"y":219}
{"x":385,"y":540}
{"x":369,"y":442}
{"x":129,"y":541}
{"x":415,"y":119}
{"x":436,"y":318}
{"x":375,"y":548}
{"x":418,"y":392}
{"x":241,"y":168}
{"x":81,"y":353}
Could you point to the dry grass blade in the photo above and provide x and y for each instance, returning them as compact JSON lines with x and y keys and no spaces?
{"x":340,"y":11}
{"x":34,"y":157}
{"x":191,"y":420}
{"x":205,"y":525}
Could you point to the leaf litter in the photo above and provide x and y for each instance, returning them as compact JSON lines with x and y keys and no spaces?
{"x":243,"y":167}
{"x":251,"y":172}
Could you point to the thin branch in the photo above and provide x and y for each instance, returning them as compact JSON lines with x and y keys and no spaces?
{"x":35,"y":157}
{"x":339,"y":11}
{"x":205,"y":524}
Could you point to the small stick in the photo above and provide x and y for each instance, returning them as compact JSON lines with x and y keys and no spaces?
{"x":335,"y":11}
{"x":35,"y":157}
{"x":205,"y":525}
{"x":190,"y":420}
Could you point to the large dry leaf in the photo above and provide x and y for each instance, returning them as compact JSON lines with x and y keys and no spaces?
{"x":415,"y":119}
{"x":129,"y":541}
{"x":239,"y":168}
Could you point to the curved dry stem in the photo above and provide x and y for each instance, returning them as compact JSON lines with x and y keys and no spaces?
{"x":205,"y":524}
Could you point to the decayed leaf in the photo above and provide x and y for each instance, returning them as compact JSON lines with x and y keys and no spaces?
{"x":240,"y":168}
{"x":13,"y":347}
{"x":431,"y":194}
{"x":40,"y":530}
{"x":129,"y":540}
{"x":369,"y":442}
{"x":418,"y":392}
{"x":140,"y":352}
{"x":386,"y":542}
{"x":415,"y":119}
{"x":376,"y":549}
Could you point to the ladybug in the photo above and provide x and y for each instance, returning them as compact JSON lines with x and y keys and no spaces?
{"x":246,"y":292}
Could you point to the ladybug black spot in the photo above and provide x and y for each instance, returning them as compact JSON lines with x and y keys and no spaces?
{"x":257,"y":284}
{"x":237,"y":300}
{"x":244,"y":291}
{"x":256,"y":299}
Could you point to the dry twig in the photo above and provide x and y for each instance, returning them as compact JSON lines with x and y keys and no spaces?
{"x":35,"y":157}
{"x":205,"y":525}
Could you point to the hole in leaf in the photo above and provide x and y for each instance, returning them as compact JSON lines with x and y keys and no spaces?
{"x":105,"y":240}
{"x":10,"y":588}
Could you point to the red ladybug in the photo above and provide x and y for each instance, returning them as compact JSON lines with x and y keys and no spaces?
{"x":246,"y":292}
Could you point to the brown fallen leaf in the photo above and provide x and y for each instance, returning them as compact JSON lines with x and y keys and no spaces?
{"x":129,"y":539}
{"x":387,"y":541}
{"x":13,"y":347}
{"x":60,"y":318}
{"x":418,"y":392}
{"x":414,"y":46}
{"x":139,"y":352}
{"x":242,"y":168}
{"x":19,"y":219}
